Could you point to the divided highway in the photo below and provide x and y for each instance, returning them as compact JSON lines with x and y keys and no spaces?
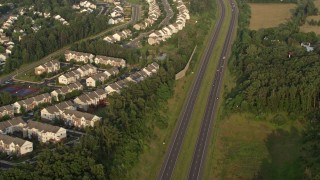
{"x":175,"y":146}
{"x":196,"y":167}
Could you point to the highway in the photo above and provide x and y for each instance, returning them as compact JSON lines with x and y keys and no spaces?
{"x":175,"y":146}
{"x":199,"y":155}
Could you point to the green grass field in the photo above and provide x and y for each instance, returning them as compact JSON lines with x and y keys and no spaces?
{"x":245,"y":148}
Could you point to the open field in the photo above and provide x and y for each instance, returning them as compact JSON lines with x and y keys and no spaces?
{"x":247,"y":148}
{"x":308,"y":28}
{"x":265,"y":15}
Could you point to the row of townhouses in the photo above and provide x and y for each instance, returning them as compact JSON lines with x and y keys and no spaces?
{"x":119,"y":36}
{"x":90,"y":58}
{"x":166,"y":32}
{"x":43,"y":132}
{"x":49,"y":67}
{"x":31,"y":103}
{"x":153,"y":15}
{"x":73,"y":76}
{"x":101,"y":77}
{"x":66,"y":89}
{"x":135,"y":77}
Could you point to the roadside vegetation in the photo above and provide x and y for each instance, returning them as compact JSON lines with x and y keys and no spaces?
{"x":267,"y":124}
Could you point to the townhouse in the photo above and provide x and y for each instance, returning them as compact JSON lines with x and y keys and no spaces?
{"x":93,"y":98}
{"x":49,"y":67}
{"x":135,"y":77}
{"x":119,"y":36}
{"x":69,"y":77}
{"x":79,"y":119}
{"x":12,"y":125}
{"x":101,"y":77}
{"x":7,"y":110}
{"x":66,"y":89}
{"x":32,"y":102}
{"x":87,"y":70}
{"x":73,"y":76}
{"x":54,"y":112}
{"x":78,"y":56}
{"x":118,"y":62}
{"x":166,"y":32}
{"x":12,"y":145}
{"x":44,"y":132}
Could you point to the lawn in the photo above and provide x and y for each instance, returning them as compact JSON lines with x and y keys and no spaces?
{"x":246,"y":148}
{"x":28,"y":76}
{"x":269,"y":14}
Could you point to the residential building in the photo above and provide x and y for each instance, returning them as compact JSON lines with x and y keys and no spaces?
{"x":93,"y":98}
{"x":44,"y":132}
{"x":118,"y":62}
{"x":78,"y":56}
{"x":31,"y":102}
{"x":54,"y":112}
{"x":87,"y":70}
{"x":101,"y":77}
{"x":66,"y":89}
{"x":49,"y":67}
{"x":79,"y":119}
{"x":6,"y":110}
{"x":12,"y":125}
{"x":69,"y":77}
{"x":12,"y":145}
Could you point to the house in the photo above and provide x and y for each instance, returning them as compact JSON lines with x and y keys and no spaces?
{"x":49,"y":67}
{"x":112,"y":72}
{"x":54,"y":112}
{"x":6,"y":110}
{"x":87,"y":70}
{"x":12,"y":125}
{"x":32,"y":102}
{"x":118,"y":62}
{"x":44,"y":132}
{"x":79,"y":119}
{"x":93,"y":98}
{"x":114,"y":87}
{"x":78,"y":56}
{"x":69,"y":77}
{"x":66,"y":89}
{"x":100,"y":77}
{"x":151,"y":68}
{"x":12,"y":145}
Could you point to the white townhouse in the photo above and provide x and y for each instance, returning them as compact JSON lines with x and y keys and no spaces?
{"x":66,"y":89}
{"x":69,"y":77}
{"x":118,"y":62}
{"x":78,"y":56}
{"x":31,"y":102}
{"x":93,"y":98}
{"x":49,"y":67}
{"x":87,"y":70}
{"x":101,"y":77}
{"x":54,"y":111}
{"x":6,"y":110}
{"x":12,"y":145}
{"x":12,"y":125}
{"x":44,"y":132}
{"x":79,"y":119}
{"x":116,"y":86}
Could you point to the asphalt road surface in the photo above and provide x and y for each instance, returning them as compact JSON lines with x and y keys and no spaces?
{"x":175,"y":146}
{"x":199,"y":155}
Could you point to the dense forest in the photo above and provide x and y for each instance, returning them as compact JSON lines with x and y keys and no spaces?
{"x":47,"y":40}
{"x":276,"y":74}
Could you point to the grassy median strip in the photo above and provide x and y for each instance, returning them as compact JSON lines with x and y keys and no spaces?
{"x":186,"y":154}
